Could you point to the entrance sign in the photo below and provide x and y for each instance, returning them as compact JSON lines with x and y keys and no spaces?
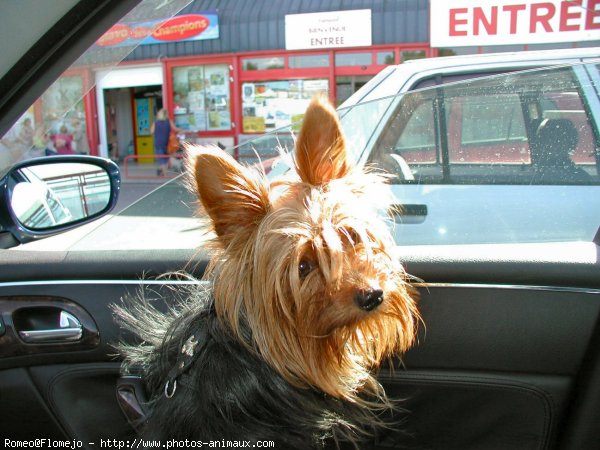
{"x":328,"y":30}
{"x":504,"y":22}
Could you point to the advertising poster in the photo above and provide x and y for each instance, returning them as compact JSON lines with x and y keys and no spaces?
{"x":187,"y":27}
{"x":270,"y":105}
{"x":201,"y":97}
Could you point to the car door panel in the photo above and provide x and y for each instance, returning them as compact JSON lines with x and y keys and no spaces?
{"x":447,"y":223}
{"x":504,"y":336}
{"x":471,"y":410}
{"x":82,"y":399}
{"x":66,"y":391}
{"x":25,"y":414}
{"x":495,"y":366}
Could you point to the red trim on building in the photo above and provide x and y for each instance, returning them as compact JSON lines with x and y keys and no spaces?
{"x":91,"y":119}
{"x":238,"y":76}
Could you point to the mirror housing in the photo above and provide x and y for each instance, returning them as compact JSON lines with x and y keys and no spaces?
{"x":45,"y":196}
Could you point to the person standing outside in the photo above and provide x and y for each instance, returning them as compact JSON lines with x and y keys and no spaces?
{"x":63,"y":141}
{"x":79,"y":136}
{"x":26,"y":134}
{"x":161,"y":129}
{"x":39,"y":145}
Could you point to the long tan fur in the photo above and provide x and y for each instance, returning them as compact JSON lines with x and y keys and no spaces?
{"x":289,"y":261}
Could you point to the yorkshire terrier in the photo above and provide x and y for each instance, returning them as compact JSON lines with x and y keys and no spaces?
{"x":302,"y":302}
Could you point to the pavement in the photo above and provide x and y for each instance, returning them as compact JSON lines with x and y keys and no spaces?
{"x":138,"y":180}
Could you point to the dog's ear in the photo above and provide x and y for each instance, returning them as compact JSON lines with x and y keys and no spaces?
{"x":321,"y":147}
{"x":235,"y":198}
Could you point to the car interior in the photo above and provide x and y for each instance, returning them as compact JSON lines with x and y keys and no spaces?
{"x":507,"y":356}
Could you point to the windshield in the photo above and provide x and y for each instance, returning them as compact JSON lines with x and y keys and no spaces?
{"x":509,"y":158}
{"x":59,"y":121}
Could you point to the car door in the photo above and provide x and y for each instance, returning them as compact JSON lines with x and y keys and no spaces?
{"x":503,"y":239}
{"x":507,"y":354}
{"x":472,"y":146}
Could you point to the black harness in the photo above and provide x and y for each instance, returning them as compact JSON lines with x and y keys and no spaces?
{"x":191,"y":349}
{"x":131,"y":392}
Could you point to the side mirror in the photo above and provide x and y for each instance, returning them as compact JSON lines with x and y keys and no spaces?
{"x":46,"y":196}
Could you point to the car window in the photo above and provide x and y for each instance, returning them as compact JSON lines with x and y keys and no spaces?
{"x":56,"y":122}
{"x":489,"y":129}
{"x":503,"y":159}
{"x":525,"y":128}
{"x":416,"y":143}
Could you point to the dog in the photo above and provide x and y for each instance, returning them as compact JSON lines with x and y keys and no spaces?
{"x":303,"y":300}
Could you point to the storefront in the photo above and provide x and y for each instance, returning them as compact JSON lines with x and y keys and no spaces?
{"x":240,"y":83}
{"x":231,"y":74}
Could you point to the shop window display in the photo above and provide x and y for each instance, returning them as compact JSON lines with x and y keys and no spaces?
{"x":269,"y":105}
{"x":34,"y":135}
{"x":201,"y":97}
{"x":58,"y":100}
{"x":457,"y":51}
{"x":348,"y":85}
{"x":502,"y":48}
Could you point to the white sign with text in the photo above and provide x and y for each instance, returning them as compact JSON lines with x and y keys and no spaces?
{"x":328,"y":30}
{"x":459,"y":23}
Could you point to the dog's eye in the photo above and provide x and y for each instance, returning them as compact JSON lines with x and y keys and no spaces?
{"x":305,"y":267}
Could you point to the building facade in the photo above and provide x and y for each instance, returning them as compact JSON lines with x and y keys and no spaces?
{"x":227,"y":70}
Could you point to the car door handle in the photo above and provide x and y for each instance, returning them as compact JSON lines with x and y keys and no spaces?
{"x":69,"y":330}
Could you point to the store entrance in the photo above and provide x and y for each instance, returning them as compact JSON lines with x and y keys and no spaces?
{"x":129,"y":115}
{"x":115,"y":94}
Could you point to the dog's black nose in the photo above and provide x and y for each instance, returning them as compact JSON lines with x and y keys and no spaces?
{"x":369,"y":299}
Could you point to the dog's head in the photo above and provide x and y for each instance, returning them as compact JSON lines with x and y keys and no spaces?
{"x":306,"y":263}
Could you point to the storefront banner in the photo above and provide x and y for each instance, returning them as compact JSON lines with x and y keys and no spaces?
{"x":328,"y":30}
{"x":504,"y":22}
{"x":189,"y":27}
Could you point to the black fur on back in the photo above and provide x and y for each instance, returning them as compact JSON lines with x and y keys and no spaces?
{"x":228,"y":392}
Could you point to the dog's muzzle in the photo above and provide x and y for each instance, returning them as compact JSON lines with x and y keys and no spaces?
{"x":369,"y":299}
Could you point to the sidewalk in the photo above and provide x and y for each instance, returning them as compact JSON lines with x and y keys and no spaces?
{"x":138,"y":180}
{"x":147,"y":171}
